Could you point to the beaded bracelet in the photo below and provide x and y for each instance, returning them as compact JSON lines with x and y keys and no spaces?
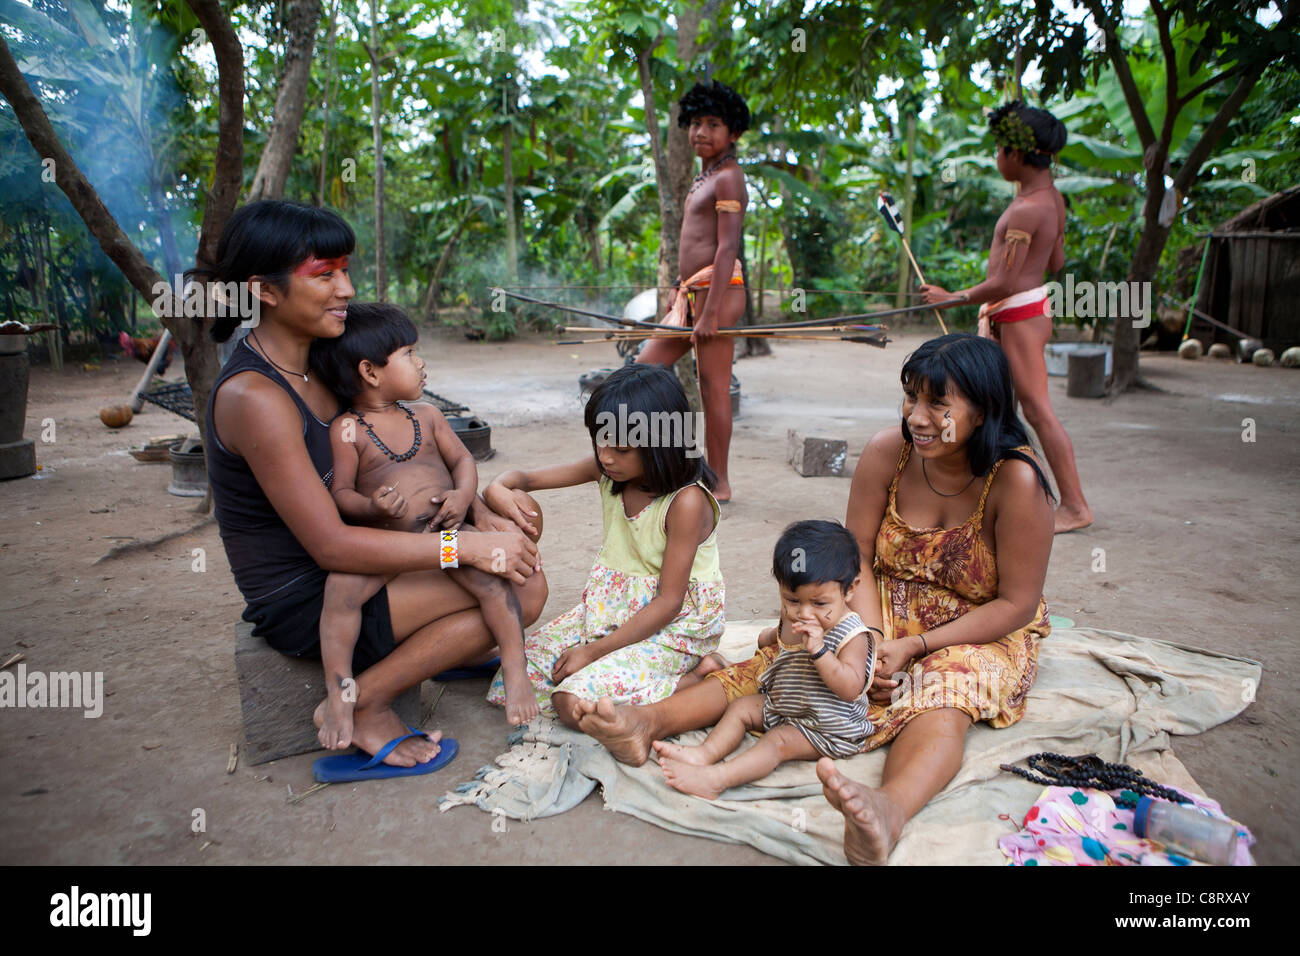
{"x":449,"y":555}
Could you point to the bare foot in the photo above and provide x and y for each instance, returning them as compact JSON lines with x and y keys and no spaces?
{"x":690,"y":755}
{"x":722,"y":493}
{"x":872,"y":822}
{"x":710,"y":663}
{"x":521,"y":699}
{"x":690,"y":778}
{"x":1072,"y":519}
{"x":374,"y":728}
{"x":334,"y":720}
{"x":622,"y":730}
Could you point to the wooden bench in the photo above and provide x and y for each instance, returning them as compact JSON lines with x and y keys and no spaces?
{"x":277,"y":695}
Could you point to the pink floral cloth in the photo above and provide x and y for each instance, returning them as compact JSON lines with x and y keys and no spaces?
{"x":1067,"y":826}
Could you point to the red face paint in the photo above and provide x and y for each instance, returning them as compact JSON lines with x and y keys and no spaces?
{"x":315,"y":267}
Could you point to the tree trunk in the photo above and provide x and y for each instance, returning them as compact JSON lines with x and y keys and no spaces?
{"x":376,"y":120}
{"x":331,"y":60}
{"x":904,"y":263}
{"x":1151,"y":244}
{"x":593,"y":245}
{"x":508,"y":186}
{"x":52,"y":341}
{"x":196,"y":346}
{"x":668,"y":238}
{"x":430,"y":310}
{"x":228,"y":171}
{"x":301,"y":21}
{"x":679,"y":162}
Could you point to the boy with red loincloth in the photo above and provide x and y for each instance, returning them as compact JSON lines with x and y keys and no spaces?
{"x":1029,"y":238}
{"x":715,"y":116}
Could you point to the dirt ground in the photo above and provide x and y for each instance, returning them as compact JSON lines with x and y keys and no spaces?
{"x":1198,"y":529}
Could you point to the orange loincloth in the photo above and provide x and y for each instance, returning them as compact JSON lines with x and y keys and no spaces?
{"x":683,"y":308}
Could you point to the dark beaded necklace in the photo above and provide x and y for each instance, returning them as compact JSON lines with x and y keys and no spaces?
{"x":1091,"y":772}
{"x":379,"y":443}
{"x":699,"y":179}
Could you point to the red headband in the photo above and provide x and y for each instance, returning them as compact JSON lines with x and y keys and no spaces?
{"x":314,"y":267}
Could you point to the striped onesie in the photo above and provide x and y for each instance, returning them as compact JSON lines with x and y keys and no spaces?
{"x":796,"y":694}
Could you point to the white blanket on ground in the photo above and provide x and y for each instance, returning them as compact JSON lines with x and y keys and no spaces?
{"x":1101,"y":692}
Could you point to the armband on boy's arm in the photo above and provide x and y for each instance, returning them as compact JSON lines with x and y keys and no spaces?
{"x":1011,"y":239}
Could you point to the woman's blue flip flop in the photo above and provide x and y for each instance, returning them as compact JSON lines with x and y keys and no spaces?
{"x":472,"y":672}
{"x":359,"y":765}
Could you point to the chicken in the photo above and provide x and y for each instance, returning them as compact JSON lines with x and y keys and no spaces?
{"x":143,"y":349}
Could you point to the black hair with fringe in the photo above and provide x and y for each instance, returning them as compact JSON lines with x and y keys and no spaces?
{"x":647,"y":391}
{"x":714,"y":99}
{"x":269,"y":239}
{"x":978,"y":369}
{"x":1049,"y":132}
{"x":373,"y":331}
{"x":816,"y":552}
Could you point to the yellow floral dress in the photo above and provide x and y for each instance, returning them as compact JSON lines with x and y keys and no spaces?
{"x":623,"y":581}
{"x":928,"y":577}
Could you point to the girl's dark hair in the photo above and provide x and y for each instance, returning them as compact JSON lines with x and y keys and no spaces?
{"x":1049,"y":132}
{"x":815,"y":552}
{"x":373,"y":331}
{"x":270,"y":238}
{"x":978,"y":369}
{"x":651,"y":396}
{"x":714,"y":99}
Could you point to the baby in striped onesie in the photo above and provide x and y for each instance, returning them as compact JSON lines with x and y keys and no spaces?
{"x":813,"y":698}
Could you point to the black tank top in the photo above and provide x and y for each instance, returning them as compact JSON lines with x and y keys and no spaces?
{"x":265,"y":557}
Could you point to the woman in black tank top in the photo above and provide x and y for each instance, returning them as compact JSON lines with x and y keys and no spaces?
{"x":269,"y":468}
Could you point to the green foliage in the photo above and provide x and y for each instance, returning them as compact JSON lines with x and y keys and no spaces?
{"x":830,"y":83}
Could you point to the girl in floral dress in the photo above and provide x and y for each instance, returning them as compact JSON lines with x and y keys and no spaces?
{"x":653,"y":604}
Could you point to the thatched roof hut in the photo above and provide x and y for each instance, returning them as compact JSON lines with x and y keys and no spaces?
{"x":1252,"y":275}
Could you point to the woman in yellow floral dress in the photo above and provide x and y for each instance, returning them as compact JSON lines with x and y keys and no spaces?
{"x":954,"y":518}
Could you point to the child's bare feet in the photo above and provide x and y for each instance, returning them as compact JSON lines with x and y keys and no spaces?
{"x":521,"y":699}
{"x":335,"y":721}
{"x":373,"y":728}
{"x":710,"y":663}
{"x":872,"y":822}
{"x":691,"y":755}
{"x":690,"y":778}
{"x":622,"y":731}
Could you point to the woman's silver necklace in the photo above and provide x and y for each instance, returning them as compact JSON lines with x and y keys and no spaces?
{"x":265,"y":355}
{"x":940,"y":493}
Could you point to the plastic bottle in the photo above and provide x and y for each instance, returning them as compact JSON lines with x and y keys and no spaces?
{"x":1186,"y":830}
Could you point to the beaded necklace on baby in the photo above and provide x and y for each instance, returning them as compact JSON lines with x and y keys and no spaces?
{"x":379,"y":442}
